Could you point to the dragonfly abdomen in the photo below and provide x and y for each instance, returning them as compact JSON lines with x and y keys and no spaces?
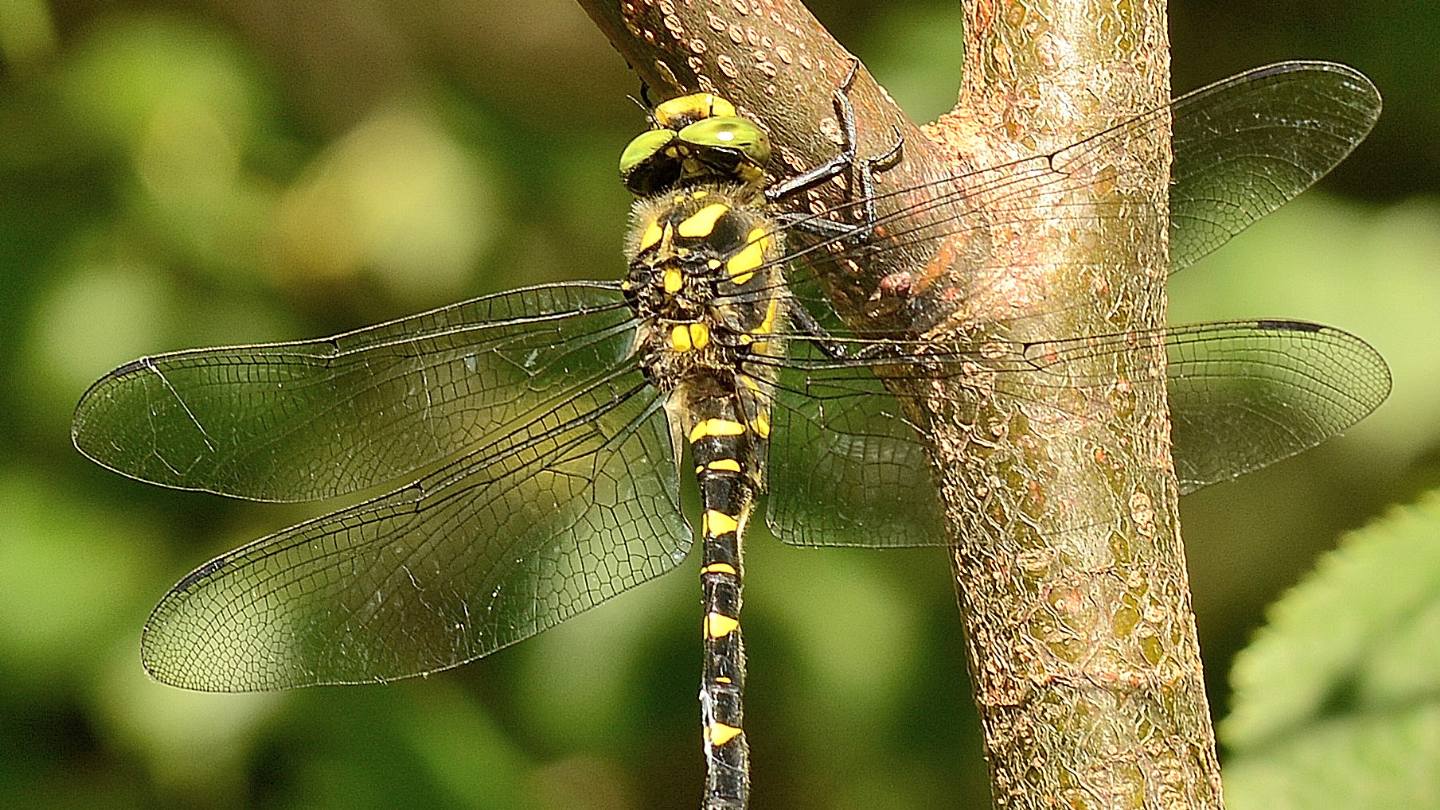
{"x":726,"y":439}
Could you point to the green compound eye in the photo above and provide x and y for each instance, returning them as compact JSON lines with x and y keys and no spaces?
{"x":644,"y":167}
{"x":723,"y":148}
{"x":732,"y":133}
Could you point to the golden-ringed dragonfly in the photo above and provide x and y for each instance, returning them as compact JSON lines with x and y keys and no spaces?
{"x":533,"y":439}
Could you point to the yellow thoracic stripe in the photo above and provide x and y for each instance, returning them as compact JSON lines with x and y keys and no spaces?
{"x":652,"y":235}
{"x":761,"y":423}
{"x":719,"y":733}
{"x":673,"y":281}
{"x":702,"y":222}
{"x":680,"y":339}
{"x":742,"y":265}
{"x":715,"y":427}
{"x":718,"y":625}
{"x":768,"y":325}
{"x":772,"y":310}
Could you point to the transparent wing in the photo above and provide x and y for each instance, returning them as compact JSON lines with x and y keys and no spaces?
{"x":318,"y":418}
{"x":1247,"y":145}
{"x":1242,"y":147}
{"x":1242,"y":395}
{"x":1246,"y":396}
{"x":845,"y":467}
{"x":572,"y":507}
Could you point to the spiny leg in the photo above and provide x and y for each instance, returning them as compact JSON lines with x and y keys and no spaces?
{"x":808,"y":328}
{"x":805,"y":324}
{"x":846,"y":160}
{"x":832,"y":230}
{"x":845,"y":114}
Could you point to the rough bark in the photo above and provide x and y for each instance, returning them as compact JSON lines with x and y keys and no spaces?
{"x":1067,"y":555}
{"x":1061,"y":499}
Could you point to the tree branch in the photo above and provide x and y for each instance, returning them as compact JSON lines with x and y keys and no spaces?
{"x":1061,"y":499}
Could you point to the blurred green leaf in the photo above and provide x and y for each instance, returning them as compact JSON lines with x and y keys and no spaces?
{"x":463,"y":749}
{"x":133,"y":75}
{"x":194,"y":745}
{"x":1381,"y":760}
{"x":1370,"y":271}
{"x":396,"y":194}
{"x":26,"y":31}
{"x":1335,"y":702}
{"x":72,"y":574}
{"x":925,"y":88}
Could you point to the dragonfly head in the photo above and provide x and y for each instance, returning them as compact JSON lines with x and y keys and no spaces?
{"x":695,"y":139}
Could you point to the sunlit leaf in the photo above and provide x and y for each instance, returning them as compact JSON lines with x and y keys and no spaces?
{"x":1335,"y":702}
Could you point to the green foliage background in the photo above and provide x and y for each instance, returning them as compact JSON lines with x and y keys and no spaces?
{"x":176,"y":173}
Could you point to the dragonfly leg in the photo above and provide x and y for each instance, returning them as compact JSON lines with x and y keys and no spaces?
{"x":847,"y":160}
{"x":868,"y":168}
{"x":845,"y":114}
{"x":806,"y":325}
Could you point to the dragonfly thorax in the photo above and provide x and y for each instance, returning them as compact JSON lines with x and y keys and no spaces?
{"x":703,"y":282}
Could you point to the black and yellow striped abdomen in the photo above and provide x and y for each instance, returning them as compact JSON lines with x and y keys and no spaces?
{"x":728,"y":453}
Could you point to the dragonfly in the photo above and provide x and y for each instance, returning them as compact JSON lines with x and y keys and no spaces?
{"x":532,"y":441}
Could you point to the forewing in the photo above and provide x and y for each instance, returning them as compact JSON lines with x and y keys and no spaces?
{"x":1242,"y":147}
{"x":1247,"y":145}
{"x":574,"y":506}
{"x":318,"y":418}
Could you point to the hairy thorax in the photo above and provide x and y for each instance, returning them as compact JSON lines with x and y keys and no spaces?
{"x":704,"y":283}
